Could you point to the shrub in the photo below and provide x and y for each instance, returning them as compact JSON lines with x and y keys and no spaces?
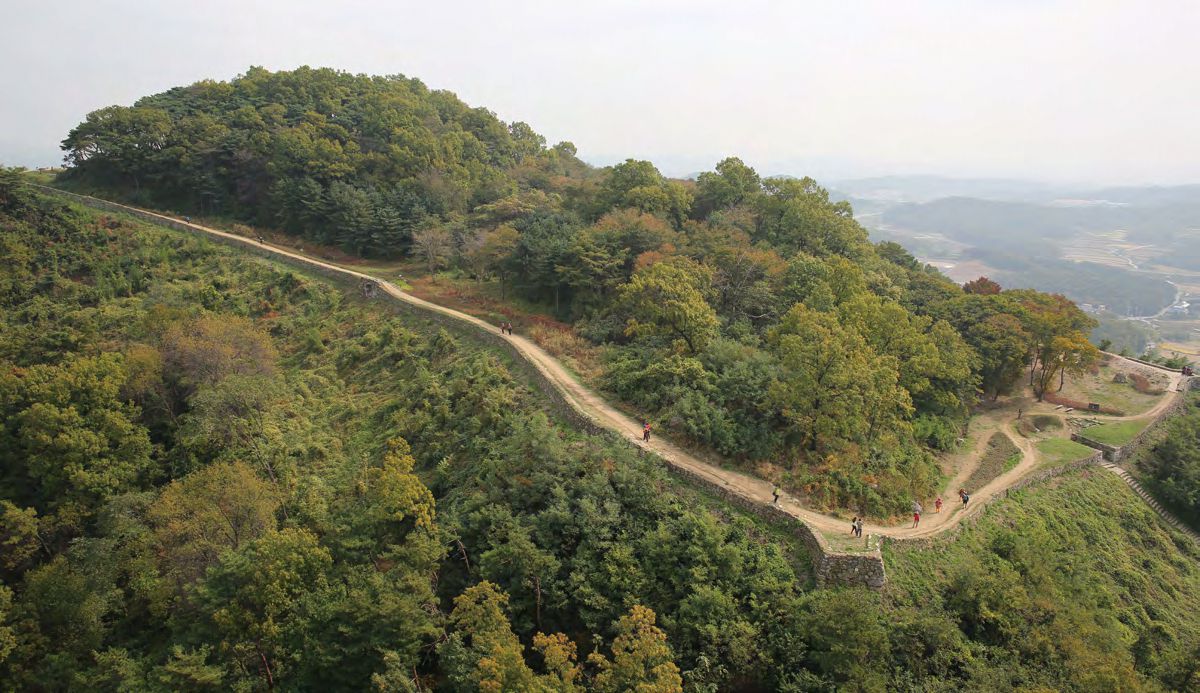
{"x":1174,"y":466}
{"x":570,"y":348}
{"x":1143,"y":385}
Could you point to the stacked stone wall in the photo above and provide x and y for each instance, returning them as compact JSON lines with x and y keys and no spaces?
{"x":831,"y":568}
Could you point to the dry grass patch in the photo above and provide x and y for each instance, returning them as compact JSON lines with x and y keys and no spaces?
{"x":562,"y":343}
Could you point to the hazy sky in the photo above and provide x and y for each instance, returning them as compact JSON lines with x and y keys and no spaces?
{"x":1089,"y":91}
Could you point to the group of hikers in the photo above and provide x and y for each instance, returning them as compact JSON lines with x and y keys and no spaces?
{"x":506,"y":328}
{"x":856,"y":524}
{"x":937,"y":507}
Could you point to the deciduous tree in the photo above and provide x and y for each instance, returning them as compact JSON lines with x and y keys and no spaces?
{"x":433,"y":245}
{"x":668,"y":299}
{"x":833,"y":387}
{"x":641,"y":660}
{"x":982,"y":286}
{"x":213,"y":510}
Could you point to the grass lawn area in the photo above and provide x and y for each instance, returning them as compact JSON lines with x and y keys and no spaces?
{"x":1117,"y":433}
{"x":1101,"y":389}
{"x":1060,"y":451}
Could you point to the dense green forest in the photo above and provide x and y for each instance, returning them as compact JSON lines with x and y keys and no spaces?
{"x":220,"y":473}
{"x":751,"y":316}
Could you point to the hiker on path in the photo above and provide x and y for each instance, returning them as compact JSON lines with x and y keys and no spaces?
{"x":916,"y":508}
{"x":1019,"y":412}
{"x":775,"y":493}
{"x":854,"y":526}
{"x":937,"y":505}
{"x":963,"y":495}
{"x":858,"y":527}
{"x":509,"y":326}
{"x":646,"y":432}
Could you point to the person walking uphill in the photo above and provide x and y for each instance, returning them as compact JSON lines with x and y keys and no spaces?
{"x":916,"y":508}
{"x":775,"y":493}
{"x":646,"y":432}
{"x":937,"y":505}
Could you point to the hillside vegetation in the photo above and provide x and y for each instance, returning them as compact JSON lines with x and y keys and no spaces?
{"x":1070,"y":585}
{"x":751,"y":316}
{"x":219,"y":473}
{"x":351,"y":160}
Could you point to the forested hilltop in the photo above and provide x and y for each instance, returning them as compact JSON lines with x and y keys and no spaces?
{"x":752,"y":316}
{"x":218,"y":473}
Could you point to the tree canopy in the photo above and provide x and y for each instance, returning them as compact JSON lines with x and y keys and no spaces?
{"x":663,"y":276}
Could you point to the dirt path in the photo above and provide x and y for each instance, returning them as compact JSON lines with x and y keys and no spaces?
{"x":591,"y":406}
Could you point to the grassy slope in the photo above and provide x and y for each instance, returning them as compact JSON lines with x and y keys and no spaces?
{"x":1100,"y":388}
{"x":1089,"y":513}
{"x":1077,"y":557}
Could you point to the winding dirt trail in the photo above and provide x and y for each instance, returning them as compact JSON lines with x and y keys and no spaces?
{"x":593,"y":408}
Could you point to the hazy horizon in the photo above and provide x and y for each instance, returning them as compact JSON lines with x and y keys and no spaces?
{"x":1062,"y":92}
